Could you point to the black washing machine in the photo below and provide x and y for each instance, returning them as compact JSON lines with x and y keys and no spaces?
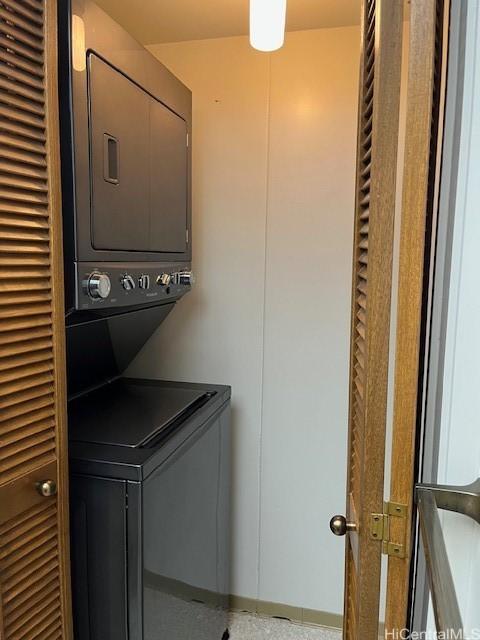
{"x":150,"y":483}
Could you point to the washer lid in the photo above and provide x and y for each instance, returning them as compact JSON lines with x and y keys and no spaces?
{"x":127,"y":414}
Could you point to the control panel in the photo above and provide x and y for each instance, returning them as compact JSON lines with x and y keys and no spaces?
{"x":114,"y":285}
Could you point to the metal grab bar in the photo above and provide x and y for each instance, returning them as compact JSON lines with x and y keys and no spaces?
{"x":461,"y":499}
{"x":430,"y":498}
{"x":444,"y":597}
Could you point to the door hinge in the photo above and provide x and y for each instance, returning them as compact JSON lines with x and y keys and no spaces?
{"x":380,"y":528}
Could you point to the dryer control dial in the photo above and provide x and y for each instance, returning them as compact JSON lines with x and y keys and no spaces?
{"x":164,"y":279}
{"x":98,"y":285}
{"x":128,"y":283}
{"x":144,"y":281}
{"x":186,"y":278}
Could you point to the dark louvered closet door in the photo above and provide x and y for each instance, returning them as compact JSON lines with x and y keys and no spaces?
{"x":34,"y":575}
{"x":372,"y":274}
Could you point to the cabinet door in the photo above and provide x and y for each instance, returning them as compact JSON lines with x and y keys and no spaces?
{"x":119,"y":144}
{"x":34,"y":554}
{"x":168,"y":180}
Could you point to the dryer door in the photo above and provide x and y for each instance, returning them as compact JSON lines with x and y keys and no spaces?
{"x":168,"y":180}
{"x":119,"y":156}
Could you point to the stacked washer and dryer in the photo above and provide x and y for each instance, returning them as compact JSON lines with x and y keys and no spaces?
{"x":149,"y":459}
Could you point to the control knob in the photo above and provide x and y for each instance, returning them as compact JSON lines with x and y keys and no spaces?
{"x":128,"y":283}
{"x":164,"y":279}
{"x":98,"y":285}
{"x":144,"y":281}
{"x":186,"y":278}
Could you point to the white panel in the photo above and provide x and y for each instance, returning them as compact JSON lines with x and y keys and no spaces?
{"x":307,"y":329}
{"x":215,"y":333}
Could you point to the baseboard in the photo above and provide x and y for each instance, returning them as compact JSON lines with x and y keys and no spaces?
{"x":278,"y":610}
{"x":185,"y":591}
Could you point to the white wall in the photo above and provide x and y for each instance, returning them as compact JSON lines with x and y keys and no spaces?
{"x":274,"y":150}
{"x":313,"y":103}
{"x":459,"y":459}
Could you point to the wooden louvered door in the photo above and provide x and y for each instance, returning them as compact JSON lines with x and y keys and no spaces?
{"x":379,"y":98}
{"x":34,"y":574}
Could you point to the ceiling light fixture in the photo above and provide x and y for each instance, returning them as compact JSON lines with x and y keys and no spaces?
{"x":267,"y":24}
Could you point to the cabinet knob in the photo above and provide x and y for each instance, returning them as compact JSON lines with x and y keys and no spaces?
{"x":47,"y":488}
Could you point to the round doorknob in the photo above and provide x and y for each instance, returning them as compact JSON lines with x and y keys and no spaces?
{"x":47,"y":488}
{"x":339,"y":525}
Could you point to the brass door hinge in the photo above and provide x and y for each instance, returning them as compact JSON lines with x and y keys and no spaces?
{"x":380,"y":528}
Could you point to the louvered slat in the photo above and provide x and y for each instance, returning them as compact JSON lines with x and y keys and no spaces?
{"x":29,"y":570}
{"x":22,"y":98}
{"x":11,"y":26}
{"x":40,"y":401}
{"x":45,"y":630}
{"x":24,"y":357}
{"x":22,"y":600}
{"x":19,"y":143}
{"x":25,"y":235}
{"x":360,"y":299}
{"x":26,"y":285}
{"x":45,"y":415}
{"x":24,"y":608}
{"x":363,"y":202}
{"x":15,"y":115}
{"x":34,"y":14}
{"x":29,"y":620}
{"x":26,"y":223}
{"x":12,"y":312}
{"x":31,"y":392}
{"x":10,"y":13}
{"x":25,"y":157}
{"x":27,"y":196}
{"x":43,"y":621}
{"x":22,"y":129}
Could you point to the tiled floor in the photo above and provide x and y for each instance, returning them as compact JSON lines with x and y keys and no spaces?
{"x":177,"y":619}
{"x":244,"y":626}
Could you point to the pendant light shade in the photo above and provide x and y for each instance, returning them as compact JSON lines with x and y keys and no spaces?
{"x":267,"y":24}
